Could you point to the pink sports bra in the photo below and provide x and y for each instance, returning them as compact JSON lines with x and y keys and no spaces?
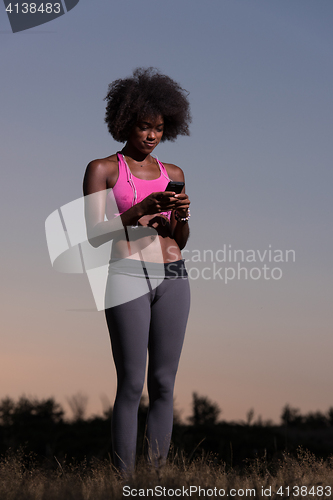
{"x":130,"y":190}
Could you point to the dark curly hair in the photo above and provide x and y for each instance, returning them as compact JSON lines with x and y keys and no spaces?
{"x":147,"y":93}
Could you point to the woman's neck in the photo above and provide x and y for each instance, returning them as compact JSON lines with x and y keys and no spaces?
{"x":134,"y":154}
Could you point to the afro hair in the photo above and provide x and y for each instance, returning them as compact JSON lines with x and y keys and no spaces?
{"x":147,"y":93}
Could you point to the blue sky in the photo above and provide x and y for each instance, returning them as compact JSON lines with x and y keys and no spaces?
{"x":258,"y":168}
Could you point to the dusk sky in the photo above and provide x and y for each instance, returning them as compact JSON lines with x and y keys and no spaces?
{"x":258,"y":168}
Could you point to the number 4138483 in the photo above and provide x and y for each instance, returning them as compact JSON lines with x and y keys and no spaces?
{"x":303,"y":491}
{"x":32,"y":8}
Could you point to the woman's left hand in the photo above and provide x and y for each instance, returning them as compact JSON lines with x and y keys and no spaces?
{"x":182,"y":204}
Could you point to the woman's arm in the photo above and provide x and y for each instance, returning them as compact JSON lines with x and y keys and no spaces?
{"x":180,"y":229}
{"x":181,"y":232}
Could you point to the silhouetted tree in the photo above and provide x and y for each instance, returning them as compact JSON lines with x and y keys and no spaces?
{"x":205,"y":412}
{"x":249,"y":416}
{"x":330,"y":415}
{"x":78,"y":404}
{"x":316,"y":420}
{"x":30,"y":411}
{"x":7,"y":407}
{"x":291,"y":416}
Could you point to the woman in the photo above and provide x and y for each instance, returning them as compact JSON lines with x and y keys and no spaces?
{"x":147,"y":295}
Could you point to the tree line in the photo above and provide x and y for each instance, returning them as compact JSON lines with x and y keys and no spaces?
{"x":40,"y":426}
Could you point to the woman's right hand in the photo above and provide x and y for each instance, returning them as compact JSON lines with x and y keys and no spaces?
{"x":162,"y":201}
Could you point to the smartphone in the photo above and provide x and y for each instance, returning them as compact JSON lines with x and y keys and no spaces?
{"x":175,"y":186}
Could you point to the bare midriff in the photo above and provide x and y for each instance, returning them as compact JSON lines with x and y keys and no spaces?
{"x":151,"y":241}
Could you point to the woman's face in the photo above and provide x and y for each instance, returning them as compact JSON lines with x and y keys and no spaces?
{"x":147,"y":133}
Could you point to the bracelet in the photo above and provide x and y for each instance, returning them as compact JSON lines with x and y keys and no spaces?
{"x":182,"y":219}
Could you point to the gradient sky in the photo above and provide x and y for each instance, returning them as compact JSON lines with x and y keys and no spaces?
{"x":258,"y":168}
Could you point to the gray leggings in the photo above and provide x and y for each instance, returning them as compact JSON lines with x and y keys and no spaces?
{"x":156,"y":322}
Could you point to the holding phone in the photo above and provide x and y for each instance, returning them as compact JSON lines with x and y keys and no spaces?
{"x":175,"y":186}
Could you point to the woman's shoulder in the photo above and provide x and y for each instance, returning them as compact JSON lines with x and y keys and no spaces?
{"x":174,"y":172}
{"x":102,"y":170}
{"x":103,"y":164}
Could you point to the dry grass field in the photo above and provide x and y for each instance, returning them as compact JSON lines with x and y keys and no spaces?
{"x":302,"y":476}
